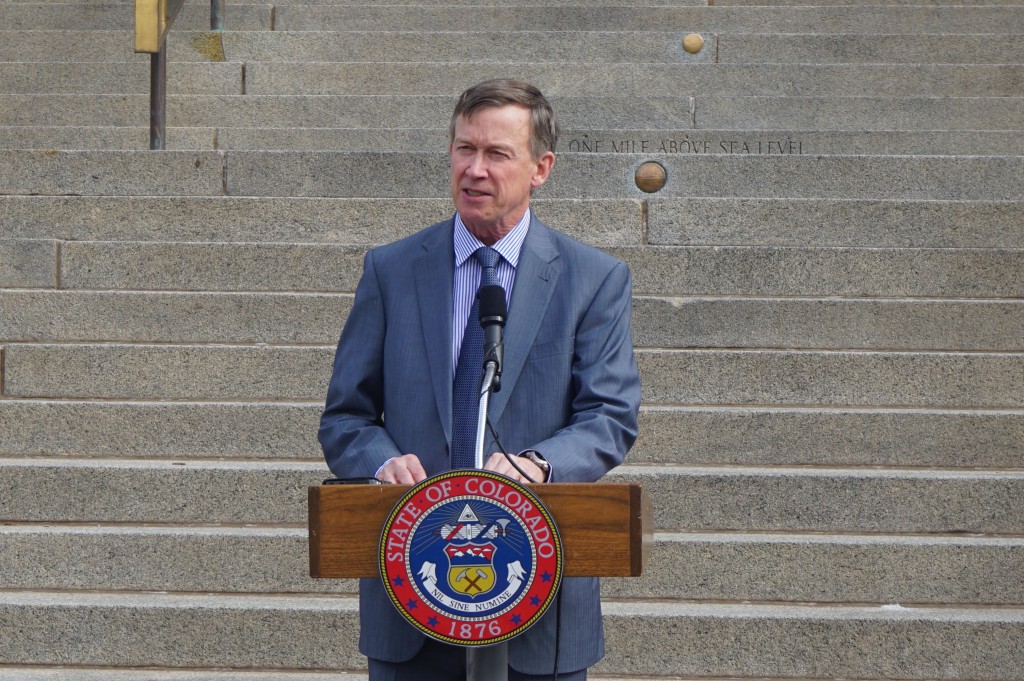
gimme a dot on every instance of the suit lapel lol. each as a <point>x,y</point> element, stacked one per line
<point>434,272</point>
<point>536,277</point>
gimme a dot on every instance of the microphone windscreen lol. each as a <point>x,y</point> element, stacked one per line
<point>492,305</point>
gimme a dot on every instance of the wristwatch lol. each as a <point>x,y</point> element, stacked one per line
<point>541,463</point>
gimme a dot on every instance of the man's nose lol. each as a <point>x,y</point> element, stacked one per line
<point>477,166</point>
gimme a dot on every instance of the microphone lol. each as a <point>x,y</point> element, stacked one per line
<point>492,318</point>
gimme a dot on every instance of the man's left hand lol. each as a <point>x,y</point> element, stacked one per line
<point>499,464</point>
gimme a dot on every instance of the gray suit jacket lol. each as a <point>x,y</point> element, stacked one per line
<point>570,389</point>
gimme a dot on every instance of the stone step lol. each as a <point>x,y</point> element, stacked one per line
<point>822,19</point>
<point>679,141</point>
<point>109,16</point>
<point>657,270</point>
<point>581,176</point>
<point>671,377</point>
<point>682,141</point>
<point>65,46</point>
<point>187,78</point>
<point>668,435</point>
<point>65,673</point>
<point>640,80</point>
<point>684,498</point>
<point>860,48</point>
<point>372,112</point>
<point>690,322</point>
<point>613,175</point>
<point>638,47</point>
<point>580,114</point>
<point>696,221</point>
<point>319,633</point>
<point>716,567</point>
<point>127,138</point>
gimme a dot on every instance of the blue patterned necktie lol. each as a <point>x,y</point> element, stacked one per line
<point>466,392</point>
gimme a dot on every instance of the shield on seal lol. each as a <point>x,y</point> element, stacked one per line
<point>471,568</point>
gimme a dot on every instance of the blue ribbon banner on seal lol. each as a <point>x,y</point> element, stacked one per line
<point>471,557</point>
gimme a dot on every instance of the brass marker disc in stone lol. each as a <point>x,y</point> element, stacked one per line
<point>650,177</point>
<point>693,43</point>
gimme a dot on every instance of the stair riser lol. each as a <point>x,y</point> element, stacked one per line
<point>707,500</point>
<point>39,316</point>
<point>707,567</point>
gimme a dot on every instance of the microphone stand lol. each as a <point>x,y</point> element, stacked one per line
<point>486,663</point>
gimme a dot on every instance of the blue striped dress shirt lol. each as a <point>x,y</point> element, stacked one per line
<point>467,273</point>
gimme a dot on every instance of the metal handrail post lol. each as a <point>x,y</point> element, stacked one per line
<point>158,98</point>
<point>216,15</point>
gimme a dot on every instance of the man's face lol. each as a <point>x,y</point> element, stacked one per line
<point>493,171</point>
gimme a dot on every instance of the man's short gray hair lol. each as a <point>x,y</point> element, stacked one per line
<point>505,92</point>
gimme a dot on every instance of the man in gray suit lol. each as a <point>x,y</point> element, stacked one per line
<point>567,408</point>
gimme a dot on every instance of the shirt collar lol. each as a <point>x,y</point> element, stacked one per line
<point>508,246</point>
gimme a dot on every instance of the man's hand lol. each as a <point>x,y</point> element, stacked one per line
<point>403,470</point>
<point>499,464</point>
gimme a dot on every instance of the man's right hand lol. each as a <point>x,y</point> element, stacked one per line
<point>403,470</point>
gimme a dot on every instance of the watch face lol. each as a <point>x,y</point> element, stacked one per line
<point>471,557</point>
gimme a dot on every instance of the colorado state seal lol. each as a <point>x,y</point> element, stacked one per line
<point>470,557</point>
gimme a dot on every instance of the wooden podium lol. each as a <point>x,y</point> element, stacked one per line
<point>604,530</point>
<point>604,527</point>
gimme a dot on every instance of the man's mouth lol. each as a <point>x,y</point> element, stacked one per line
<point>473,192</point>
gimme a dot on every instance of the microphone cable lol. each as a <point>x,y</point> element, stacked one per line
<point>558,597</point>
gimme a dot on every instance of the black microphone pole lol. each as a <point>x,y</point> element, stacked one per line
<point>489,663</point>
<point>492,318</point>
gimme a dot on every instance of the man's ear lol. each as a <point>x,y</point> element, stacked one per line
<point>544,165</point>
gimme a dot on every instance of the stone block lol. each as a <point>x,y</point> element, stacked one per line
<point>788,641</point>
<point>169,173</point>
<point>192,372</point>
<point>98,137</point>
<point>19,673</point>
<point>830,222</point>
<point>912,438</point>
<point>870,113</point>
<point>948,48</point>
<point>211,267</point>
<point>308,220</point>
<point>828,324</point>
<point>201,492</point>
<point>173,317</point>
<point>694,142</point>
<point>182,559</point>
<point>27,264</point>
<point>780,499</point>
<point>159,430</point>
<point>181,630</point>
<point>839,379</point>
<point>106,46</point>
<point>109,16</point>
<point>191,78</point>
<point>827,569</point>
<point>888,273</point>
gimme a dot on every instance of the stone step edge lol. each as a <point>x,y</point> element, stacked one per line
<point>638,470</point>
<point>739,537</point>
<point>1009,615</point>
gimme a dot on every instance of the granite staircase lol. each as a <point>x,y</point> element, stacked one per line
<point>829,320</point>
